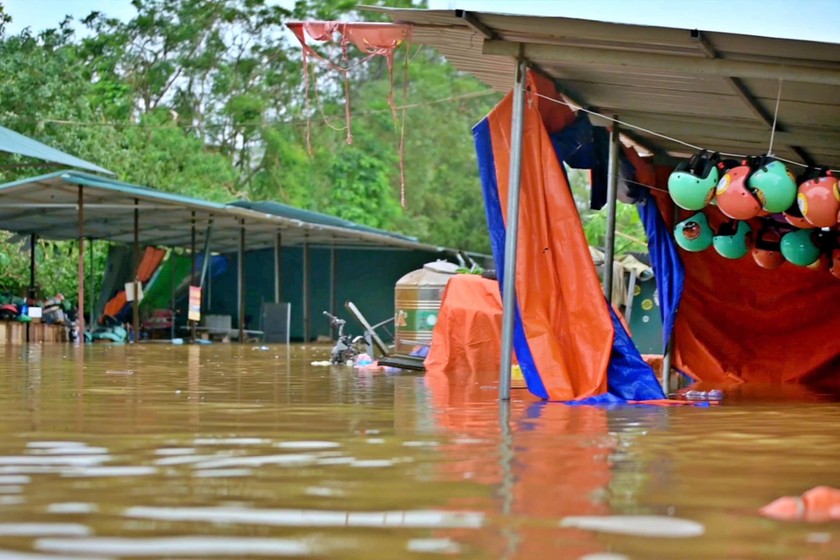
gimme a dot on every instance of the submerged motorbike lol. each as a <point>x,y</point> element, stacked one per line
<point>345,348</point>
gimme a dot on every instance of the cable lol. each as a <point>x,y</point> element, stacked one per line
<point>291,121</point>
<point>775,116</point>
<point>671,138</point>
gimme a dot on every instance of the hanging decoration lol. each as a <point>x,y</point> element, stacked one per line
<point>372,39</point>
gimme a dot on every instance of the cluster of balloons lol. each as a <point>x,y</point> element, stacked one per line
<point>774,215</point>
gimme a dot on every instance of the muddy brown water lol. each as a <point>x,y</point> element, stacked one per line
<point>235,451</point>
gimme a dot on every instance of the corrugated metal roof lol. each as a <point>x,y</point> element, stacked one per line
<point>709,89</point>
<point>286,211</point>
<point>48,206</point>
<point>16,143</point>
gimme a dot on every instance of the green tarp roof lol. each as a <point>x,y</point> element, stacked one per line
<point>15,143</point>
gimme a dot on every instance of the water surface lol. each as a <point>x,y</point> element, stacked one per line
<point>234,451</point>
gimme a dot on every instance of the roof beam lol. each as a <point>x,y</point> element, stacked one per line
<point>474,23</point>
<point>668,62</point>
<point>719,129</point>
<point>747,96</point>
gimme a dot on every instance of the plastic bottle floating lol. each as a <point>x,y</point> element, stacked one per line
<point>712,395</point>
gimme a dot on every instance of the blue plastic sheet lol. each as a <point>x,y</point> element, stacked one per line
<point>666,263</point>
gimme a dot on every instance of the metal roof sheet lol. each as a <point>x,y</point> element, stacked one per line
<point>676,86</point>
<point>48,205</point>
<point>286,211</point>
<point>16,143</point>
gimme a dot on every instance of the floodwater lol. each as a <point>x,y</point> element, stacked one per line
<point>238,451</point>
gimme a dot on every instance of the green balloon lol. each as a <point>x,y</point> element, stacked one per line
<point>774,186</point>
<point>798,247</point>
<point>691,192</point>
<point>694,234</point>
<point>734,245</point>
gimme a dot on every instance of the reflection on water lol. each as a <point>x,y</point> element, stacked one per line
<point>229,451</point>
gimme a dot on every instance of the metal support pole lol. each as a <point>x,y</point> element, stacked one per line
<point>205,263</point>
<point>332,285</point>
<point>205,267</point>
<point>91,319</point>
<point>305,272</point>
<point>80,320</point>
<point>240,281</point>
<point>136,315</point>
<point>612,191</point>
<point>278,268</point>
<point>666,366</point>
<point>192,273</point>
<point>32,243</point>
<point>172,293</point>
<point>31,292</point>
<point>512,236</point>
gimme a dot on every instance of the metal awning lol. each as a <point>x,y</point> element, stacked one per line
<point>48,205</point>
<point>675,86</point>
<point>16,143</point>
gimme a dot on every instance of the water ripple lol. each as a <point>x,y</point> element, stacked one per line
<point>312,518</point>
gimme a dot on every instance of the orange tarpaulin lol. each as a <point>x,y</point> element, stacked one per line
<point>152,257</point>
<point>467,340</point>
<point>737,320</point>
<point>149,263</point>
<point>566,320</point>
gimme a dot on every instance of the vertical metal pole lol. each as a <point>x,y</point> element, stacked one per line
<point>91,318</point>
<point>31,292</point>
<point>666,366</point>
<point>32,242</point>
<point>240,281</point>
<point>509,282</point>
<point>205,263</point>
<point>305,280</point>
<point>172,292</point>
<point>278,268</point>
<point>332,285</point>
<point>612,191</point>
<point>136,317</point>
<point>80,321</point>
<point>205,267</point>
<point>192,273</point>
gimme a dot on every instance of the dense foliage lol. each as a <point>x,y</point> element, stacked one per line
<point>205,98</point>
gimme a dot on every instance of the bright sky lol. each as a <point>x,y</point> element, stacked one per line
<point>810,20</point>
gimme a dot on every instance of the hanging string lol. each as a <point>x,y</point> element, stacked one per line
<point>402,124</point>
<point>775,116</point>
<point>657,134</point>
<point>619,121</point>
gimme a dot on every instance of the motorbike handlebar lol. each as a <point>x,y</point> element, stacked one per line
<point>334,319</point>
